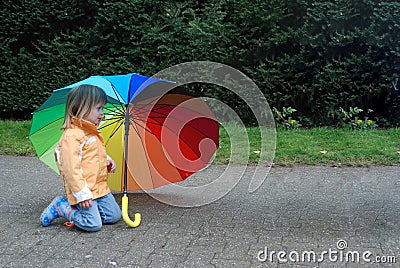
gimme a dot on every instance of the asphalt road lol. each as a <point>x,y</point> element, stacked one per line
<point>299,217</point>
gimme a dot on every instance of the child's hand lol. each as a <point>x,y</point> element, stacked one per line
<point>111,166</point>
<point>85,204</point>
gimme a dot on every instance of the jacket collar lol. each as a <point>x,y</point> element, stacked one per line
<point>82,123</point>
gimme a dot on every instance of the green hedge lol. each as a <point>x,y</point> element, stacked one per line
<point>314,56</point>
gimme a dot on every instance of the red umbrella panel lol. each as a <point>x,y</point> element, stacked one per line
<point>170,138</point>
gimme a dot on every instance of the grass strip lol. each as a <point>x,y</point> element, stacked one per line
<point>318,146</point>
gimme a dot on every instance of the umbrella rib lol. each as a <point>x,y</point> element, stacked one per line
<point>150,101</point>
<point>119,110</point>
<point>160,123</point>
<point>115,92</point>
<point>116,107</point>
<point>48,124</point>
<point>118,115</point>
<point>143,146</point>
<point>114,131</point>
<point>204,134</point>
<point>152,110</point>
<point>138,119</point>
<point>117,118</point>
<point>107,124</point>
<point>159,107</point>
<point>133,122</point>
<point>161,116</point>
<point>141,107</point>
<point>182,139</point>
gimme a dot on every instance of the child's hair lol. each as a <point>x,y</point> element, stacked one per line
<point>81,100</point>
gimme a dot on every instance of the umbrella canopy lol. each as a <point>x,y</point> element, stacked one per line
<point>170,135</point>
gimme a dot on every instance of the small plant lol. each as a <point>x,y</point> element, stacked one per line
<point>351,118</point>
<point>284,118</point>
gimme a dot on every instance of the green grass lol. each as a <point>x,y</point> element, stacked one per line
<point>338,147</point>
<point>316,146</point>
<point>323,146</point>
<point>14,138</point>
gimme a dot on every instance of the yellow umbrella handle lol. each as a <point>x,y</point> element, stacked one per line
<point>125,215</point>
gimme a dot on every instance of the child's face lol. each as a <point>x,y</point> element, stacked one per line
<point>96,114</point>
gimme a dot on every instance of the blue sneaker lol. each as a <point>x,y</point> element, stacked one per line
<point>55,210</point>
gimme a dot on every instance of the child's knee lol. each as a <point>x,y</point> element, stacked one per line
<point>116,216</point>
<point>92,228</point>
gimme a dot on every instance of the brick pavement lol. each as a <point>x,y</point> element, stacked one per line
<point>298,210</point>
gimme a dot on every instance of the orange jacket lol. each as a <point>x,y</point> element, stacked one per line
<point>82,161</point>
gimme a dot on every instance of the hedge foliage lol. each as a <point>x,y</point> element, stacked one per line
<point>314,56</point>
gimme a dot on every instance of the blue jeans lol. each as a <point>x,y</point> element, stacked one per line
<point>104,210</point>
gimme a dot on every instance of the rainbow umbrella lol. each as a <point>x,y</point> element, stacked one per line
<point>154,131</point>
